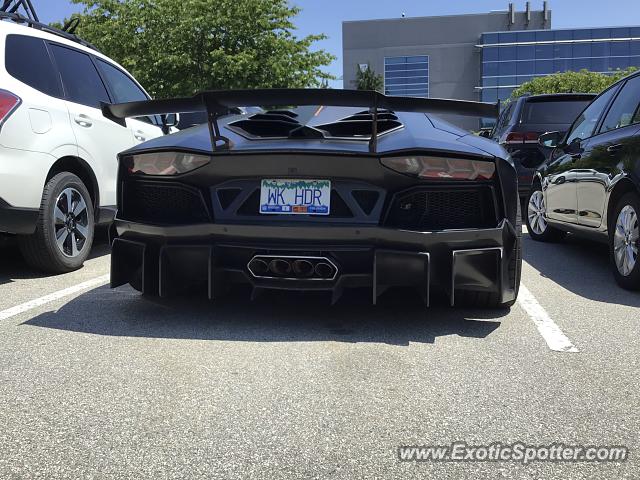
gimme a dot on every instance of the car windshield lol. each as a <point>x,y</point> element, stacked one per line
<point>552,112</point>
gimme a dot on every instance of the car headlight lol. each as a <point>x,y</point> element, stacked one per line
<point>441,168</point>
<point>164,163</point>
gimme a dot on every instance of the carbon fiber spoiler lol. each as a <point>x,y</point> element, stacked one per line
<point>218,102</point>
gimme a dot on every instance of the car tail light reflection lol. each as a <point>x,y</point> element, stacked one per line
<point>522,137</point>
<point>8,103</point>
<point>440,168</point>
<point>164,163</point>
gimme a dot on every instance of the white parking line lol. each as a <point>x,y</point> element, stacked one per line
<point>555,338</point>
<point>549,330</point>
<point>23,307</point>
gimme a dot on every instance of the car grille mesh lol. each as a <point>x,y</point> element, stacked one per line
<point>169,204</point>
<point>442,209</point>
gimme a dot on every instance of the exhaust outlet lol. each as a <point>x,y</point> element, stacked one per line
<point>324,270</point>
<point>258,267</point>
<point>280,267</point>
<point>302,268</point>
<point>292,267</point>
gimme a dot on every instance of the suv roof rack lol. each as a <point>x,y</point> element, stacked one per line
<point>10,10</point>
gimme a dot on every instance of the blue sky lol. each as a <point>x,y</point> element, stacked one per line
<point>326,16</point>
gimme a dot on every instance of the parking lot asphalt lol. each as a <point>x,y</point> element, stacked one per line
<point>101,383</point>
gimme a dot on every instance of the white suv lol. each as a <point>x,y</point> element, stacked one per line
<point>57,151</point>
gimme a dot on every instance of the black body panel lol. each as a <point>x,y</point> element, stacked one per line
<point>203,229</point>
<point>17,220</point>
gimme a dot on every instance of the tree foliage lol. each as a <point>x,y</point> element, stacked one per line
<point>583,81</point>
<point>179,47</point>
<point>367,79</point>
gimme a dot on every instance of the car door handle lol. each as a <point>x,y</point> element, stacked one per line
<point>614,148</point>
<point>139,134</point>
<point>83,120</point>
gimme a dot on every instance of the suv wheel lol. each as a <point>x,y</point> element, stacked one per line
<point>64,232</point>
<point>536,218</point>
<point>624,242</point>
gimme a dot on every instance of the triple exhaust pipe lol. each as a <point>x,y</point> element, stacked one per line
<point>293,268</point>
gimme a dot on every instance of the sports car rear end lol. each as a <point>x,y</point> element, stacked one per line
<point>327,198</point>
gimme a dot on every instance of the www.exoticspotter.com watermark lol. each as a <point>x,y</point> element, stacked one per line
<point>514,452</point>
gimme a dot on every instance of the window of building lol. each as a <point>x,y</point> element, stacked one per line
<point>564,35</point>
<point>544,67</point>
<point>525,68</point>
<point>526,52</point>
<point>598,50</point>
<point>544,52</point>
<point>490,54</point>
<point>618,32</point>
<point>544,36</point>
<point>407,76</point>
<point>620,49</point>
<point>507,53</point>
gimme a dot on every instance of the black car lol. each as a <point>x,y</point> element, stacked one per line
<point>325,198</point>
<point>591,184</point>
<point>525,119</point>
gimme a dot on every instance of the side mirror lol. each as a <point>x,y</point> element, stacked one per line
<point>169,120</point>
<point>485,133</point>
<point>550,139</point>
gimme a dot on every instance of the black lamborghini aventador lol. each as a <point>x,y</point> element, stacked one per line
<point>346,189</point>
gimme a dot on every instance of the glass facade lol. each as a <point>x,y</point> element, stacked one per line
<point>407,76</point>
<point>512,58</point>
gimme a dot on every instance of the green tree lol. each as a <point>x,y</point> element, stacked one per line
<point>367,79</point>
<point>583,81</point>
<point>179,47</point>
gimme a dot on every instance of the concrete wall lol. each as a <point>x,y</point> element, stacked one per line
<point>454,61</point>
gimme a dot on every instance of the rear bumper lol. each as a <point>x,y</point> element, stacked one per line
<point>17,220</point>
<point>165,260</point>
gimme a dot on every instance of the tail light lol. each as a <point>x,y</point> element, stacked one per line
<point>8,103</point>
<point>164,163</point>
<point>522,137</point>
<point>440,168</point>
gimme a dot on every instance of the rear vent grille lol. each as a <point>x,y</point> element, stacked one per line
<point>273,124</point>
<point>284,124</point>
<point>271,128</point>
<point>360,125</point>
<point>251,206</point>
<point>339,208</point>
<point>366,199</point>
<point>442,209</point>
<point>226,196</point>
<point>160,203</point>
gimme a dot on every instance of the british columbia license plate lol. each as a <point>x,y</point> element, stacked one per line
<point>295,197</point>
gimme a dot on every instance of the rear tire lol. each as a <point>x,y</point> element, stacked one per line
<point>535,217</point>
<point>490,299</point>
<point>624,242</point>
<point>62,240</point>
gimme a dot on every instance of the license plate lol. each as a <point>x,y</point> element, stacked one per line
<point>295,197</point>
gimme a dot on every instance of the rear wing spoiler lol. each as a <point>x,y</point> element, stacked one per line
<point>219,102</point>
